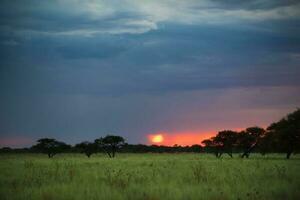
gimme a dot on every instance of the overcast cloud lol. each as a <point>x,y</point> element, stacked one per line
<point>78,70</point>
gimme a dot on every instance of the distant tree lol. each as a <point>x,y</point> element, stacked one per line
<point>224,142</point>
<point>6,150</point>
<point>88,148</point>
<point>209,146</point>
<point>135,148</point>
<point>194,148</point>
<point>249,139</point>
<point>286,133</point>
<point>110,144</point>
<point>50,146</point>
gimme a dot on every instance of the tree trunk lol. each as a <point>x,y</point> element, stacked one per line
<point>114,149</point>
<point>245,154</point>
<point>248,151</point>
<point>220,154</point>
<point>107,151</point>
<point>216,154</point>
<point>288,155</point>
<point>230,154</point>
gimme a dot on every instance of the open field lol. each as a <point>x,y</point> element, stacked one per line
<point>148,176</point>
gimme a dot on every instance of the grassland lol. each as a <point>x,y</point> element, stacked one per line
<point>148,176</point>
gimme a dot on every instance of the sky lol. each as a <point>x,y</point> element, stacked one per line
<point>79,70</point>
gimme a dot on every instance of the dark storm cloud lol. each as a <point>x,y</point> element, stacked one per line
<point>72,69</point>
<point>255,4</point>
<point>50,18</point>
<point>88,48</point>
<point>159,61</point>
<point>93,17</point>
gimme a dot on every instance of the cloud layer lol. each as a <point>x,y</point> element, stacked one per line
<point>71,68</point>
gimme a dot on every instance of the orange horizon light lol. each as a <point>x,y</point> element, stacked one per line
<point>178,138</point>
<point>181,138</point>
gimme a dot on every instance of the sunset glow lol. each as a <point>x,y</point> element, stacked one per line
<point>15,141</point>
<point>179,138</point>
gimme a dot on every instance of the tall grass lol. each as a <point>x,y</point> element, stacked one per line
<point>148,176</point>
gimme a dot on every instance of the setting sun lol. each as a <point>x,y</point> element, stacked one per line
<point>157,138</point>
<point>178,138</point>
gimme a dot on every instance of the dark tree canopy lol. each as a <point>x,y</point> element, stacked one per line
<point>224,142</point>
<point>209,146</point>
<point>88,148</point>
<point>286,133</point>
<point>267,144</point>
<point>228,141</point>
<point>50,146</point>
<point>249,139</point>
<point>281,136</point>
<point>110,144</point>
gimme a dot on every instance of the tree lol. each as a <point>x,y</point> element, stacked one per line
<point>249,139</point>
<point>267,143</point>
<point>210,146</point>
<point>224,142</point>
<point>194,148</point>
<point>88,148</point>
<point>286,133</point>
<point>110,144</point>
<point>50,146</point>
<point>6,150</point>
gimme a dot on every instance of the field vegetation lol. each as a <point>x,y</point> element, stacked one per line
<point>148,176</point>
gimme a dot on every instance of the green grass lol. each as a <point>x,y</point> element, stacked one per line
<point>148,176</point>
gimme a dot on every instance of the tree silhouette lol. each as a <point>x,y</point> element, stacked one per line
<point>286,133</point>
<point>267,143</point>
<point>6,150</point>
<point>88,148</point>
<point>110,144</point>
<point>210,146</point>
<point>50,146</point>
<point>194,148</point>
<point>249,139</point>
<point>224,142</point>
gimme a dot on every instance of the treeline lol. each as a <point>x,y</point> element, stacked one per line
<point>280,137</point>
<point>109,144</point>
